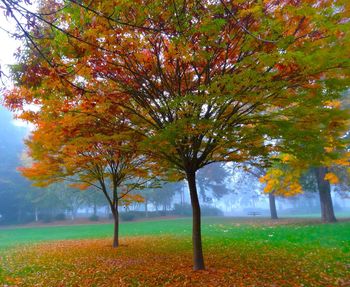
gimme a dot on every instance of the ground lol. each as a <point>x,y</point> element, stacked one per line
<point>238,252</point>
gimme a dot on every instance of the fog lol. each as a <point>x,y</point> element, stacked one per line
<point>224,190</point>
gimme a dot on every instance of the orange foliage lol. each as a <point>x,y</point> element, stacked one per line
<point>331,177</point>
<point>164,261</point>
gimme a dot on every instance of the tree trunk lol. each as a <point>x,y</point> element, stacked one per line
<point>273,210</point>
<point>182,196</point>
<point>73,213</point>
<point>36,214</point>
<point>116,227</point>
<point>324,189</point>
<point>95,208</point>
<point>146,207</point>
<point>19,215</point>
<point>198,261</point>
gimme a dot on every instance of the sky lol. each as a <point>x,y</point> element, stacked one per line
<point>8,46</point>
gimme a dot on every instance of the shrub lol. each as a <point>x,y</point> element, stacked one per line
<point>208,210</point>
<point>46,217</point>
<point>182,209</point>
<point>186,210</point>
<point>127,216</point>
<point>60,216</point>
<point>94,218</point>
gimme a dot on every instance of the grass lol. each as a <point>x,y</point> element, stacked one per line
<point>257,230</point>
<point>339,215</point>
<point>158,253</point>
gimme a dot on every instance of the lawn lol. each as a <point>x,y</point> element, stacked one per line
<point>238,252</point>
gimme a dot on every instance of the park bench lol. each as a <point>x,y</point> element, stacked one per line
<point>254,213</point>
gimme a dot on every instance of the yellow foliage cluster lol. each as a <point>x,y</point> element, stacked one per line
<point>284,179</point>
<point>331,177</point>
<point>333,104</point>
<point>281,182</point>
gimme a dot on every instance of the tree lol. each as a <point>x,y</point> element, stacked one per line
<point>164,195</point>
<point>15,206</point>
<point>212,179</point>
<point>95,199</point>
<point>76,147</point>
<point>286,178</point>
<point>202,82</point>
<point>324,188</point>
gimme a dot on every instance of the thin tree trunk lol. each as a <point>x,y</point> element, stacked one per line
<point>273,210</point>
<point>198,261</point>
<point>146,207</point>
<point>36,214</point>
<point>95,208</point>
<point>19,215</point>
<point>116,227</point>
<point>182,196</point>
<point>324,189</point>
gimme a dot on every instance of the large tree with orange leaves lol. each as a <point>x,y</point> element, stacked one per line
<point>79,148</point>
<point>201,81</point>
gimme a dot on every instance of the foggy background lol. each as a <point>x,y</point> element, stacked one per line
<point>224,190</point>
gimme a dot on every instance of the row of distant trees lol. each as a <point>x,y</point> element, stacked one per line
<point>20,202</point>
<point>60,201</point>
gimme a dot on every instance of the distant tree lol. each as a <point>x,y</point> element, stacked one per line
<point>212,180</point>
<point>287,178</point>
<point>95,199</point>
<point>47,202</point>
<point>343,188</point>
<point>164,195</point>
<point>72,198</point>
<point>15,207</point>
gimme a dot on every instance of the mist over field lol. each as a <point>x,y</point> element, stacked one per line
<point>225,190</point>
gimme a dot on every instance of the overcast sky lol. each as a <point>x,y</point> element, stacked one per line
<point>8,46</point>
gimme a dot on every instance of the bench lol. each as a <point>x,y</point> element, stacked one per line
<point>254,213</point>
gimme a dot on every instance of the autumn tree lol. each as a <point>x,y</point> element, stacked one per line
<point>202,81</point>
<point>75,147</point>
<point>286,178</point>
<point>325,154</point>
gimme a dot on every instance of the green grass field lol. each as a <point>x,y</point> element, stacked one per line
<point>256,246</point>
<point>298,232</point>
